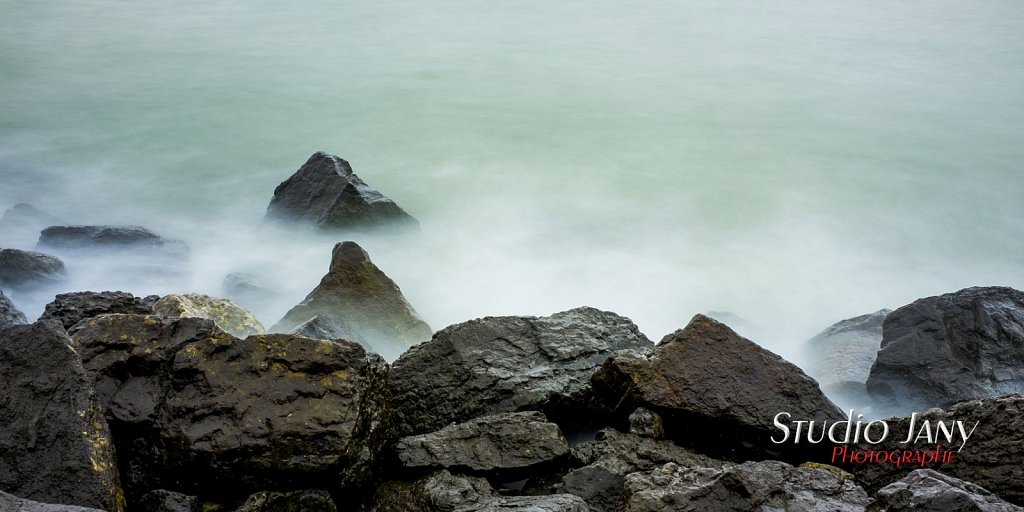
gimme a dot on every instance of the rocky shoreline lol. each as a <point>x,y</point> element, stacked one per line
<point>187,403</point>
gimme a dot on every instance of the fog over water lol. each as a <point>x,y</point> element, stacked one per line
<point>791,163</point>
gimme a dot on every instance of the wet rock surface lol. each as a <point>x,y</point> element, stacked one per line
<point>357,294</point>
<point>71,239</point>
<point>71,308</point>
<point>506,364</point>
<point>225,314</point>
<point>55,446</point>
<point>711,384</point>
<point>942,350</point>
<point>26,270</point>
<point>9,315</point>
<point>930,491</point>
<point>11,503</point>
<point>326,194</point>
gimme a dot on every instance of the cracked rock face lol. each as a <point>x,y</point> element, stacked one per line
<point>506,364</point>
<point>930,491</point>
<point>942,350</point>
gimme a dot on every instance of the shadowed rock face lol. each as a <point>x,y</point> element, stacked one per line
<point>712,385</point>
<point>71,308</point>
<point>326,194</point>
<point>15,504</point>
<point>28,269</point>
<point>941,350</point>
<point>55,446</point>
<point>195,409</point>
<point>358,296</point>
<point>505,364</point>
<point>925,490</point>
<point>9,315</point>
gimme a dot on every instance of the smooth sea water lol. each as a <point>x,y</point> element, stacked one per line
<point>791,163</point>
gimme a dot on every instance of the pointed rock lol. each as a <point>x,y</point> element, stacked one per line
<point>326,194</point>
<point>226,314</point>
<point>9,315</point>
<point>359,296</point>
<point>55,446</point>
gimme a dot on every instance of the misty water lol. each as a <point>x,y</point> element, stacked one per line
<point>790,163</point>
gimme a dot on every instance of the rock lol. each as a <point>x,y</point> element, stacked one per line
<point>930,491</point>
<point>355,293</point>
<point>21,224</point>
<point>74,239</point>
<point>28,269</point>
<point>71,308</point>
<point>752,486</point>
<point>647,423</point>
<point>9,315</point>
<point>507,443</point>
<point>506,364</point>
<point>11,503</point>
<point>550,503</point>
<point>438,492</point>
<point>991,457</point>
<point>716,388</point>
<point>941,350</point>
<point>226,314</point>
<point>194,408</point>
<point>326,194</point>
<point>840,358</point>
<point>251,291</point>
<point>322,327</point>
<point>54,444</point>
<point>168,501</point>
<point>295,501</point>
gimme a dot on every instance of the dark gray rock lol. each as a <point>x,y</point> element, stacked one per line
<point>28,270</point>
<point>840,358</point>
<point>322,327</point>
<point>505,364</point>
<point>74,239</point>
<point>550,503</point>
<point>10,503</point>
<point>991,457</point>
<point>54,443</point>
<point>716,388</point>
<point>930,491</point>
<point>942,350</point>
<point>194,408</point>
<point>294,501</point>
<point>326,194</point>
<point>765,486</point>
<point>21,224</point>
<point>504,443</point>
<point>167,501</point>
<point>9,315</point>
<point>438,492</point>
<point>71,308</point>
<point>359,296</point>
<point>647,423</point>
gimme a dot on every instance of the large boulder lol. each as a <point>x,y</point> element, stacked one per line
<point>942,350</point>
<point>21,224</point>
<point>9,315</point>
<point>194,408</point>
<point>226,314</point>
<point>925,490</point>
<point>764,486</point>
<point>505,364</point>
<point>840,357</point>
<point>11,503</point>
<point>991,457</point>
<point>505,443</point>
<point>357,294</point>
<point>77,239</point>
<point>324,193</point>
<point>716,388</point>
<point>71,308</point>
<point>54,443</point>
<point>29,269</point>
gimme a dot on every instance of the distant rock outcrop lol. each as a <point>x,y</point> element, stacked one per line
<point>324,193</point>
<point>840,358</point>
<point>28,269</point>
<point>709,383</point>
<point>357,297</point>
<point>9,315</point>
<point>21,224</point>
<point>226,314</point>
<point>71,308</point>
<point>942,350</point>
<point>72,239</point>
<point>505,364</point>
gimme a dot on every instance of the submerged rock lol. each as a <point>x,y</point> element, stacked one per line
<point>195,408</point>
<point>228,316</point>
<point>925,490</point>
<point>28,269</point>
<point>71,308</point>
<point>359,296</point>
<point>326,194</point>
<point>840,357</point>
<point>765,486</point>
<point>90,238</point>
<point>712,386</point>
<point>54,443</point>
<point>21,224</point>
<point>502,443</point>
<point>504,364</point>
<point>941,350</point>
<point>9,315</point>
<point>11,503</point>
<point>293,501</point>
